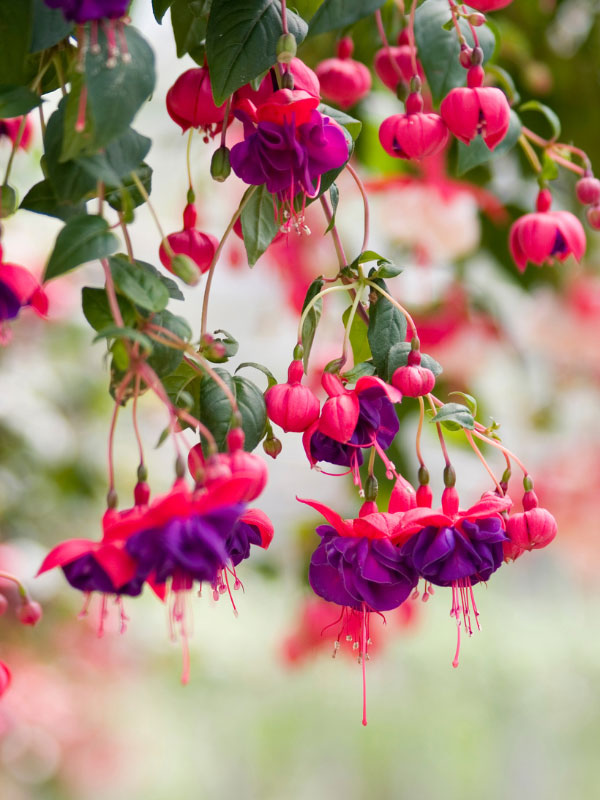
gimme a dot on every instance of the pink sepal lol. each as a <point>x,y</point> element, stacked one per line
<point>339,416</point>
<point>65,552</point>
<point>370,381</point>
<point>380,525</point>
<point>116,562</point>
<point>342,526</point>
<point>287,105</point>
<point>403,497</point>
<point>259,520</point>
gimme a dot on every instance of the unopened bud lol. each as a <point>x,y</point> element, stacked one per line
<point>528,483</point>
<point>286,48</point>
<point>593,217</point>
<point>272,446</point>
<point>477,56</point>
<point>29,612</point>
<point>235,439</point>
<point>466,53</point>
<point>402,90</point>
<point>220,165</point>
<point>8,201</point>
<point>476,19</point>
<point>415,84</point>
<point>587,190</point>
<point>186,269</point>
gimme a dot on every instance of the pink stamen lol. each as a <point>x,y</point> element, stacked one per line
<point>94,46</point>
<point>235,611</point>
<point>363,647</point>
<point>125,54</point>
<point>111,43</point>
<point>103,615</point>
<point>80,123</point>
<point>87,599</point>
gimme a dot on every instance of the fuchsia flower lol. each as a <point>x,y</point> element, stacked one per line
<point>476,110</point>
<point>351,420</point>
<point>288,145</point>
<point>343,80</point>
<point>291,405</point>
<point>534,529</point>
<point>455,548</point>
<point>546,235</point>
<point>413,380</point>
<point>190,103</point>
<point>81,11</point>
<point>401,56</point>
<point>18,288</point>
<point>191,242</point>
<point>10,128</point>
<point>489,5</point>
<point>414,134</point>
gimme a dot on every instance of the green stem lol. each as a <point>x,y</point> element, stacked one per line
<point>142,190</point>
<point>349,327</point>
<point>400,308</point>
<point>317,297</point>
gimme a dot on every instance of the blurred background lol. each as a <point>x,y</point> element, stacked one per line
<point>268,713</point>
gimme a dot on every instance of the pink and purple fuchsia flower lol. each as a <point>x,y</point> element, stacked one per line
<point>81,11</point>
<point>288,145</point>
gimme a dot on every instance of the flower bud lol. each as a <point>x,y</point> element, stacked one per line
<point>413,381</point>
<point>196,246</point>
<point>343,80</point>
<point>286,48</point>
<point>530,530</point>
<point>587,190</point>
<point>8,201</point>
<point>29,612</point>
<point>477,58</point>
<point>476,19</point>
<point>292,406</point>
<point>593,217</point>
<point>196,463</point>
<point>272,446</point>
<point>220,165</point>
<point>183,266</point>
<point>465,55</point>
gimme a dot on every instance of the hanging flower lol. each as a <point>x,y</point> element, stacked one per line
<point>81,11</point>
<point>288,145</point>
<point>533,529</point>
<point>190,103</point>
<point>546,235</point>
<point>10,128</point>
<point>343,80</point>
<point>291,405</point>
<point>414,134</point>
<point>304,77</point>
<point>351,420</point>
<point>394,64</point>
<point>476,109</point>
<point>18,289</point>
<point>198,246</point>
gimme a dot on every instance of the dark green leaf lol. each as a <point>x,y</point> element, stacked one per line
<point>17,100</point>
<point>172,288</point>
<point>387,270</point>
<point>128,196</point>
<point>160,8</point>
<point>358,337</point>
<point>141,285</point>
<point>252,408</point>
<point>97,311</point>
<point>550,116</point>
<point>16,19</point>
<point>84,238</point>
<point>182,384</point>
<point>334,14</point>
<point>216,413</point>
<point>359,371</point>
<point>49,27</point>
<point>478,152</point>
<point>439,49</point>
<point>366,256</point>
<point>259,225</point>
<point>272,380</point>
<point>454,416</point>
<point>241,39</point>
<point>164,359</point>
<point>71,183</point>
<point>115,93</point>
<point>469,400</point>
<point>549,169</point>
<point>311,322</point>
<point>116,332</point>
<point>387,327</point>
<point>352,125</point>
<point>504,78</point>
<point>334,196</point>
<point>41,199</point>
<point>189,19</point>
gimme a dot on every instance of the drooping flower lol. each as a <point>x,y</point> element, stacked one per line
<point>292,405</point>
<point>81,11</point>
<point>358,567</point>
<point>10,128</point>
<point>190,103</point>
<point>546,235</point>
<point>414,134</point>
<point>288,145</point>
<point>456,548</point>
<point>304,77</point>
<point>413,380</point>
<point>198,246</point>
<point>351,420</point>
<point>343,80</point>
<point>18,289</point>
<point>395,64</point>
<point>532,529</point>
<point>475,109</point>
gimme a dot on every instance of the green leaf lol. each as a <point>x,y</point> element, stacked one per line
<point>128,196</point>
<point>386,270</point>
<point>172,288</point>
<point>398,357</point>
<point>41,199</point>
<point>164,359</point>
<point>550,116</point>
<point>70,182</point>
<point>352,125</point>
<point>49,27</point>
<point>16,19</point>
<point>311,322</point>
<point>189,19</point>
<point>96,309</point>
<point>549,169</point>
<point>439,49</point>
<point>272,380</point>
<point>359,371</point>
<point>216,414</point>
<point>334,196</point>
<point>17,100</point>
<point>454,416</point>
<point>334,14</point>
<point>160,8</point>
<point>84,238</point>
<point>358,337</point>
<point>477,153</point>
<point>241,39</point>
<point>116,332</point>
<point>141,285</point>
<point>366,256</point>
<point>259,225</point>
<point>387,327</point>
<point>470,401</point>
<point>115,93</point>
<point>253,410</point>
<point>505,79</point>
<point>183,384</point>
